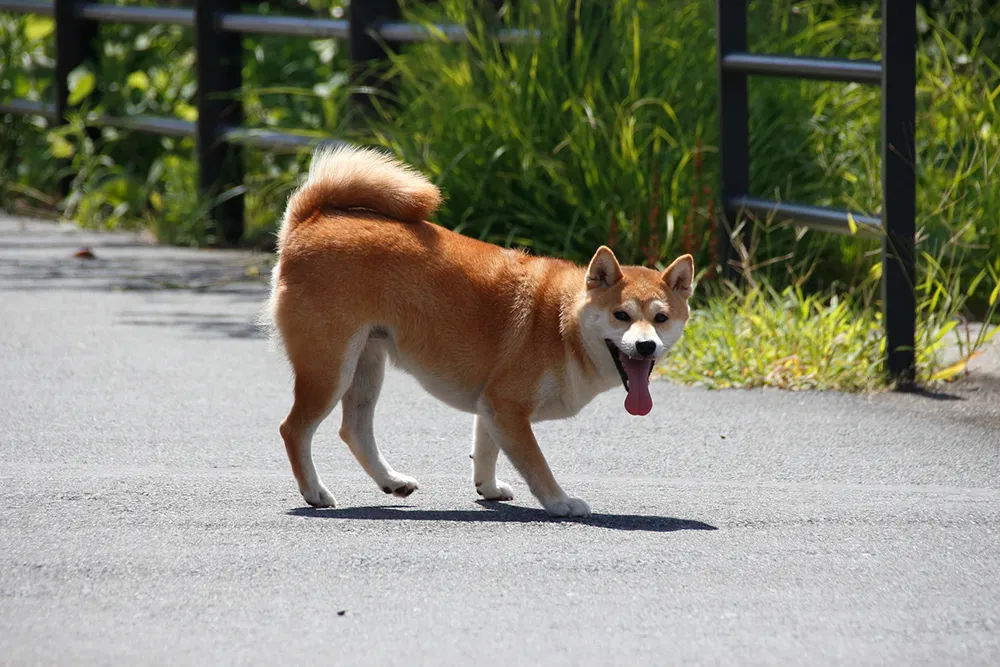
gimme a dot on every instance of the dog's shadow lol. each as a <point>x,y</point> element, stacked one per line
<point>503,513</point>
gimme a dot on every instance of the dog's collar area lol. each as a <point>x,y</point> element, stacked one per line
<point>616,357</point>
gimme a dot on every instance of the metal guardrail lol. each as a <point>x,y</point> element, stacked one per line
<point>815,217</point>
<point>824,69</point>
<point>29,108</point>
<point>896,75</point>
<point>284,25</point>
<point>271,140</point>
<point>28,7</point>
<point>219,28</point>
<point>171,127</point>
<point>148,15</point>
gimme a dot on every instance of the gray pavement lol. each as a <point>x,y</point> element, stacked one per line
<point>148,515</point>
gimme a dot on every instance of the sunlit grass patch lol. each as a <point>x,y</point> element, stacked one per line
<point>759,336</point>
<point>787,339</point>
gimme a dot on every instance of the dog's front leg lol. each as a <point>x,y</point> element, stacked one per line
<point>484,465</point>
<point>509,425</point>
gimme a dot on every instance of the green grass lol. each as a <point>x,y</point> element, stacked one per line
<point>617,142</point>
<point>606,133</point>
<point>789,339</point>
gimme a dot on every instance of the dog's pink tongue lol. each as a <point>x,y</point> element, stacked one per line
<point>638,401</point>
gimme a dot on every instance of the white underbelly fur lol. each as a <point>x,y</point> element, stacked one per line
<point>439,388</point>
<point>549,401</point>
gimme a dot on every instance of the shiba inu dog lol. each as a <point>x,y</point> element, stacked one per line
<point>362,277</point>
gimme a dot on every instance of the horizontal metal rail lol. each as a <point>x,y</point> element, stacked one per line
<point>339,29</point>
<point>175,127</point>
<point>172,127</point>
<point>93,11</point>
<point>28,108</point>
<point>824,69</point>
<point>271,139</point>
<point>283,25</point>
<point>289,26</point>
<point>814,217</point>
<point>28,7</point>
<point>411,32</point>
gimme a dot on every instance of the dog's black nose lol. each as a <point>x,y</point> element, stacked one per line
<point>645,347</point>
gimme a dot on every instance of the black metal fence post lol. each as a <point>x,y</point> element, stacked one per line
<point>899,47</point>
<point>75,38</point>
<point>734,130</point>
<point>365,50</point>
<point>219,71</point>
<point>896,74</point>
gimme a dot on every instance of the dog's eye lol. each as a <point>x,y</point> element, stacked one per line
<point>660,318</point>
<point>622,316</point>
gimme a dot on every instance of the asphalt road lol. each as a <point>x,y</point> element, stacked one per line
<point>148,515</point>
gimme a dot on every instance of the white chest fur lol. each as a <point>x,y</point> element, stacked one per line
<point>558,398</point>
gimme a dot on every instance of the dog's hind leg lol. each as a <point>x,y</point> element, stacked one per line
<point>484,465</point>
<point>319,384</point>
<point>358,427</point>
<point>315,398</point>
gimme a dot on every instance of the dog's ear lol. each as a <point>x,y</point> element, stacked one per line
<point>679,276</point>
<point>603,270</point>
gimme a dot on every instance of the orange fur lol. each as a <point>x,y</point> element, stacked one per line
<point>361,276</point>
<point>347,178</point>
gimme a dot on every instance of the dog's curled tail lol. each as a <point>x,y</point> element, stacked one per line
<point>347,177</point>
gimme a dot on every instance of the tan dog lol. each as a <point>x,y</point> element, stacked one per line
<point>508,337</point>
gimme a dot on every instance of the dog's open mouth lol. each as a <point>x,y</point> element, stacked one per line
<point>635,378</point>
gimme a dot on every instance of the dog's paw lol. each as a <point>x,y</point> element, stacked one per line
<point>400,485</point>
<point>496,490</point>
<point>319,497</point>
<point>567,506</point>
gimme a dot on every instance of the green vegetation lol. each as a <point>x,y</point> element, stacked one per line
<point>601,134</point>
<point>760,337</point>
